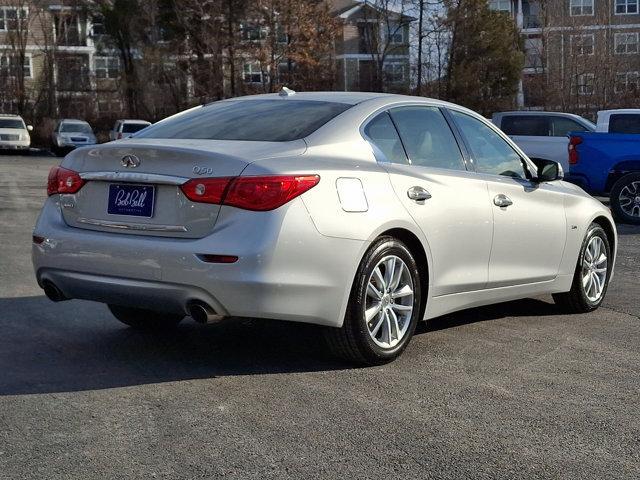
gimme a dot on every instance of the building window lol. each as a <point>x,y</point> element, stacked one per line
<point>581,7</point>
<point>253,73</point>
<point>585,84</point>
<point>582,44</point>
<point>10,65</point>
<point>626,6</point>
<point>107,67</point>
<point>9,17</point>
<point>626,43</point>
<point>627,82</point>
<point>396,33</point>
<point>500,5</point>
<point>252,32</point>
<point>394,72</point>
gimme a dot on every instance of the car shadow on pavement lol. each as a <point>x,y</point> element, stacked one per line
<point>77,345</point>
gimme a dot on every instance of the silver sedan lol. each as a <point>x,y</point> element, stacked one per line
<point>362,212</point>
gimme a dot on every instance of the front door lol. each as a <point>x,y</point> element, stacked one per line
<point>529,231</point>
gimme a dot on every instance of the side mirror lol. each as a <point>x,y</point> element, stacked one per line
<point>548,170</point>
<point>30,128</point>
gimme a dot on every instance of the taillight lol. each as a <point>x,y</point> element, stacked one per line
<point>63,180</point>
<point>249,193</point>
<point>573,151</point>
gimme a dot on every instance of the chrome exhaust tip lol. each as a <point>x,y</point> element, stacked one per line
<point>203,313</point>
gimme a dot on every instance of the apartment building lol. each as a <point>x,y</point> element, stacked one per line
<point>581,55</point>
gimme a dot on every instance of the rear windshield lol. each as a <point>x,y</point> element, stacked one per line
<point>251,120</point>
<point>624,123</point>
<point>11,123</point>
<point>133,127</point>
<point>75,128</point>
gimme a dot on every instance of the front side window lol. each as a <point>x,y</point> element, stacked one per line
<point>626,43</point>
<point>107,67</point>
<point>560,126</point>
<point>427,137</point>
<point>624,123</point>
<point>526,125</point>
<point>249,120</point>
<point>581,7</point>
<point>491,153</point>
<point>626,6</point>
<point>383,134</point>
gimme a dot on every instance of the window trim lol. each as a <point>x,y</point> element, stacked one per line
<point>4,8</point>
<point>28,59</point>
<point>581,6</point>
<point>261,72</point>
<point>626,82</point>
<point>106,68</point>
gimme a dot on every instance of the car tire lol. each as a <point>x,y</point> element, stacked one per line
<point>387,333</point>
<point>581,298</point>
<point>623,197</point>
<point>142,319</point>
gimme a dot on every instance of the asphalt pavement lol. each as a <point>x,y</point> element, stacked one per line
<point>516,390</point>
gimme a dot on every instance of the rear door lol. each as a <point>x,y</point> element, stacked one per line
<point>450,204</point>
<point>529,225</point>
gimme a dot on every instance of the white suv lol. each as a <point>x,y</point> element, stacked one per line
<point>126,128</point>
<point>14,134</point>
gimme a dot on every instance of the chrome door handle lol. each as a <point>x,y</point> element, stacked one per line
<point>418,194</point>
<point>501,200</point>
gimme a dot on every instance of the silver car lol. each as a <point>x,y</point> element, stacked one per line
<point>362,212</point>
<point>70,133</point>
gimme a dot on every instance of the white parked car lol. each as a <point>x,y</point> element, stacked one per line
<point>126,128</point>
<point>14,134</point>
<point>542,134</point>
<point>70,133</point>
<point>619,121</point>
<point>365,213</point>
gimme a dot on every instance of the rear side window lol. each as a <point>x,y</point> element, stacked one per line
<point>427,137</point>
<point>560,127</point>
<point>525,125</point>
<point>382,133</point>
<point>624,123</point>
<point>251,120</point>
<point>133,127</point>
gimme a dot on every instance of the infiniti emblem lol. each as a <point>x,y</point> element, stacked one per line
<point>130,161</point>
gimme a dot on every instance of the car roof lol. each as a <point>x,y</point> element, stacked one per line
<point>536,112</point>
<point>132,120</point>
<point>619,110</point>
<point>72,120</point>
<point>9,115</point>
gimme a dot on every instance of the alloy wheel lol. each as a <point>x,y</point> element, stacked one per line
<point>389,302</point>
<point>629,199</point>
<point>594,269</point>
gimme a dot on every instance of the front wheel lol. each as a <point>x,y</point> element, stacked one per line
<point>625,199</point>
<point>141,319</point>
<point>591,276</point>
<point>384,306</point>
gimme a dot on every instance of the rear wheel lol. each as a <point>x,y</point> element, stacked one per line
<point>591,277</point>
<point>384,306</point>
<point>142,319</point>
<point>625,199</point>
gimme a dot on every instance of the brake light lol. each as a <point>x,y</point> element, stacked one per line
<point>249,193</point>
<point>63,180</point>
<point>573,151</point>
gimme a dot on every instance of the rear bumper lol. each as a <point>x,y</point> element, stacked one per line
<point>286,269</point>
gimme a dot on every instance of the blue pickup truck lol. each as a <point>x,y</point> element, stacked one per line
<point>608,164</point>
